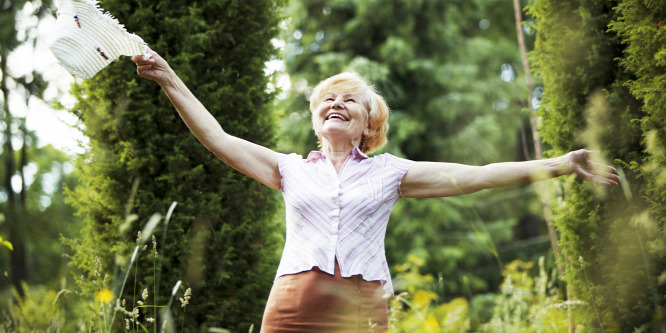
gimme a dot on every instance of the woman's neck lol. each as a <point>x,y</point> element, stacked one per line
<point>337,154</point>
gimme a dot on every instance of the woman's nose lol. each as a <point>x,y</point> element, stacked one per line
<point>337,104</point>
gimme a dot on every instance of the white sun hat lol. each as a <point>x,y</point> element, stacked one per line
<point>85,39</point>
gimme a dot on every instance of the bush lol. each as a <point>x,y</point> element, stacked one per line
<point>610,238</point>
<point>221,240</point>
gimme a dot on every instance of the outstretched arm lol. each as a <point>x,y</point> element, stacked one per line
<point>253,160</point>
<point>432,179</point>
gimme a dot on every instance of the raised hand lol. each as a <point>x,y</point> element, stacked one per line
<point>579,163</point>
<point>154,68</point>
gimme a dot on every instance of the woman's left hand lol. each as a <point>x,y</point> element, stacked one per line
<point>579,163</point>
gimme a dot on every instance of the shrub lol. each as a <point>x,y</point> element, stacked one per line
<point>608,237</point>
<point>221,239</point>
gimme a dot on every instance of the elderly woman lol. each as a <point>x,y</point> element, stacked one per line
<point>333,275</point>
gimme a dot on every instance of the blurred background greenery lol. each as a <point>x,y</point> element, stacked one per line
<point>451,72</point>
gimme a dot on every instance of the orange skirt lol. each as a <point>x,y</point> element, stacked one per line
<point>314,301</point>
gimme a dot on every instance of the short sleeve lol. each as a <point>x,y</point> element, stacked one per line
<point>285,161</point>
<point>400,166</point>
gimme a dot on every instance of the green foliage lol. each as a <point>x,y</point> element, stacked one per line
<point>417,308</point>
<point>41,310</point>
<point>528,304</point>
<point>525,303</point>
<point>221,238</point>
<point>610,242</point>
<point>33,175</point>
<point>641,26</point>
<point>439,69</point>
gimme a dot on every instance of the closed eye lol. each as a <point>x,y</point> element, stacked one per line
<point>351,100</point>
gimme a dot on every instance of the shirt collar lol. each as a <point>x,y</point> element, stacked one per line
<point>356,153</point>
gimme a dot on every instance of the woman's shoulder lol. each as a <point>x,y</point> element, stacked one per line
<point>392,161</point>
<point>285,159</point>
<point>289,156</point>
<point>389,157</point>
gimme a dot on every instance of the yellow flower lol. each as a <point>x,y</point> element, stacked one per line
<point>431,324</point>
<point>104,296</point>
<point>422,298</point>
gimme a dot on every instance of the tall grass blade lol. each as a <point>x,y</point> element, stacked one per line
<point>158,270</point>
<point>167,323</point>
<point>129,267</point>
<point>149,227</point>
<point>169,212</point>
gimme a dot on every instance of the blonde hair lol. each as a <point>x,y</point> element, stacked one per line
<point>372,101</point>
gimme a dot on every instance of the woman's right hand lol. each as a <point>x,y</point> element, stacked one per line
<point>154,68</point>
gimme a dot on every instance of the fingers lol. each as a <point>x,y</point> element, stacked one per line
<point>149,65</point>
<point>608,179</point>
<point>605,181</point>
<point>592,171</point>
<point>613,177</point>
<point>139,60</point>
<point>602,167</point>
<point>606,172</point>
<point>140,69</point>
<point>601,178</point>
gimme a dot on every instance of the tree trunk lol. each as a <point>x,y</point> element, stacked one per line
<point>13,212</point>
<point>542,191</point>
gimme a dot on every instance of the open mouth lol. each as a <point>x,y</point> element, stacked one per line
<point>337,116</point>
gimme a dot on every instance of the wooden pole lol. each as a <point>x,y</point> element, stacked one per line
<point>543,193</point>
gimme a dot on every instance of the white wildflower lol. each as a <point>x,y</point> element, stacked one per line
<point>185,300</point>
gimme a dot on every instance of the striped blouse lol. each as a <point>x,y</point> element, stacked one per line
<point>343,216</point>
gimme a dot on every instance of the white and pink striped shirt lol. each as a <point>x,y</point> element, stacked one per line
<point>341,215</point>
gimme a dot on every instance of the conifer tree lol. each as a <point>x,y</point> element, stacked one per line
<point>220,239</point>
<point>642,27</point>
<point>611,240</point>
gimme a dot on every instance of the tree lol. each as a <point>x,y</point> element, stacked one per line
<point>640,24</point>
<point>612,241</point>
<point>20,216</point>
<point>220,238</point>
<point>438,63</point>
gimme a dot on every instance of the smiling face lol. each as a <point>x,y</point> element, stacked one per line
<point>346,109</point>
<point>341,116</point>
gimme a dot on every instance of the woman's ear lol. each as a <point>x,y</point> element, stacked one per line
<point>366,132</point>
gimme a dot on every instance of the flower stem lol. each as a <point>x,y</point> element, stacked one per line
<point>182,321</point>
<point>155,295</point>
<point>134,323</point>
